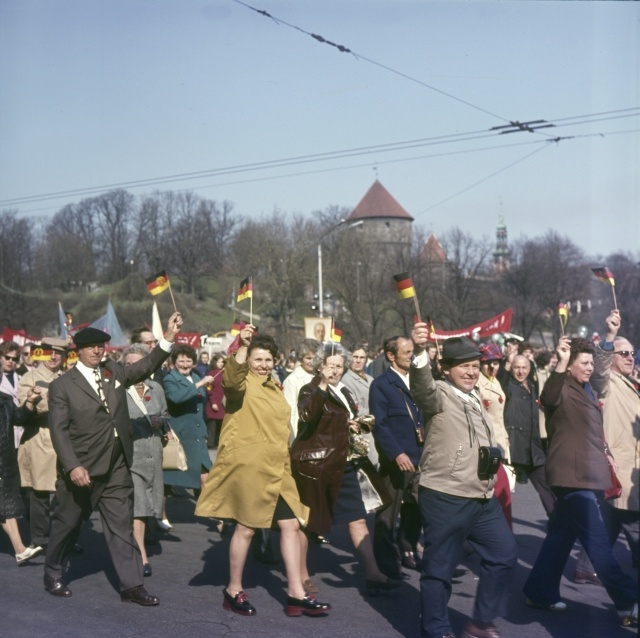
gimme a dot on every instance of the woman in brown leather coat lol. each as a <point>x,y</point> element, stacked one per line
<point>327,468</point>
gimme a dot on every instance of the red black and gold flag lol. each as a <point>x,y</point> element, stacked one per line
<point>404,285</point>
<point>72,357</point>
<point>604,274</point>
<point>236,326</point>
<point>41,353</point>
<point>158,283</point>
<point>563,313</point>
<point>246,289</point>
<point>336,333</point>
<point>431,329</point>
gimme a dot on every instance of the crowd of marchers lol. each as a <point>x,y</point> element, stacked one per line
<point>417,448</point>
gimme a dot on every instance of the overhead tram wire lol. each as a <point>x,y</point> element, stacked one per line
<point>344,49</point>
<point>305,159</point>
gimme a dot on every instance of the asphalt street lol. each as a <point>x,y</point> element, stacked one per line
<point>190,569</point>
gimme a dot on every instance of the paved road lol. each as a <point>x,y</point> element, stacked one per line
<point>190,569</point>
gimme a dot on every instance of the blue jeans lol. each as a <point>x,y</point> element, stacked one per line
<point>577,515</point>
<point>448,522</point>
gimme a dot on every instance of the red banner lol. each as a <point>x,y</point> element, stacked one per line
<point>189,338</point>
<point>499,323</point>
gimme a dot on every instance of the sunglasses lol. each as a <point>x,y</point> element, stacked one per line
<point>625,353</point>
<point>10,358</point>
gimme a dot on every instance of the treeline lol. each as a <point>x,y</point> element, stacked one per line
<point>105,239</point>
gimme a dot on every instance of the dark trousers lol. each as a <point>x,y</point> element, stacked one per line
<point>537,477</point>
<point>402,488</point>
<point>39,516</point>
<point>448,522</point>
<point>112,494</point>
<point>577,515</point>
<point>616,521</point>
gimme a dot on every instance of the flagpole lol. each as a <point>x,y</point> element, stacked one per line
<point>415,303</point>
<point>251,308</point>
<point>613,290</point>
<point>172,298</point>
<point>561,325</point>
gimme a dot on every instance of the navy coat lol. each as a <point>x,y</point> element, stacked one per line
<point>396,418</point>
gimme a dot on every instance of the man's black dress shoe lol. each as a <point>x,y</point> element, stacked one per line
<point>308,606</point>
<point>139,595</point>
<point>56,587</point>
<point>238,604</point>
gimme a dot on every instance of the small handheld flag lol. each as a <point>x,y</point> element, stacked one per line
<point>236,326</point>
<point>404,285</point>
<point>406,290</point>
<point>158,283</point>
<point>246,289</point>
<point>606,276</point>
<point>41,353</point>
<point>563,315</point>
<point>336,333</point>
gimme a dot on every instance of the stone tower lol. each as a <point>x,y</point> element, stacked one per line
<point>502,252</point>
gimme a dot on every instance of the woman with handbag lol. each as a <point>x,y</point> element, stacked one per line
<point>335,477</point>
<point>251,480</point>
<point>149,422</point>
<point>578,471</point>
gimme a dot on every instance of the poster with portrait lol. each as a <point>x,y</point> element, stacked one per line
<point>317,328</point>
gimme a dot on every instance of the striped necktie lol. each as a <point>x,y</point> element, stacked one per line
<point>101,394</point>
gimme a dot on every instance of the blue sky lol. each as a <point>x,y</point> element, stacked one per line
<point>96,93</point>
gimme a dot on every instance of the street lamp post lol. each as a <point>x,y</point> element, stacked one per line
<point>320,290</point>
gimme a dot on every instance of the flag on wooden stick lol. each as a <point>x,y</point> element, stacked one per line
<point>606,276</point>
<point>246,289</point>
<point>158,283</point>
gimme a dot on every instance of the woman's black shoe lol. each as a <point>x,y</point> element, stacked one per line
<point>238,604</point>
<point>308,606</point>
<point>374,587</point>
<point>146,569</point>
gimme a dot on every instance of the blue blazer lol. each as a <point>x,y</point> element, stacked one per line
<point>396,418</point>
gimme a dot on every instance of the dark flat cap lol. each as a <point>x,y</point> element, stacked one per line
<point>89,336</point>
<point>456,349</point>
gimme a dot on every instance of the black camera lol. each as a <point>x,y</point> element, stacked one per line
<point>488,461</point>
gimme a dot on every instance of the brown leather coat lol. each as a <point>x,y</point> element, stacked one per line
<point>319,453</point>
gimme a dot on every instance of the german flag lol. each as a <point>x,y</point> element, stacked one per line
<point>158,283</point>
<point>563,313</point>
<point>72,357</point>
<point>404,285</point>
<point>41,353</point>
<point>246,289</point>
<point>604,274</point>
<point>431,329</point>
<point>236,326</point>
<point>336,333</point>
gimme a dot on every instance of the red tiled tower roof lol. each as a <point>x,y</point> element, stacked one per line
<point>432,250</point>
<point>378,202</point>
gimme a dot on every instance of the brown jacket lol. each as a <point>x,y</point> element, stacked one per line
<point>319,453</point>
<point>575,455</point>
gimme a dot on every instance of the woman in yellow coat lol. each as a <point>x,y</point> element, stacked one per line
<point>251,480</point>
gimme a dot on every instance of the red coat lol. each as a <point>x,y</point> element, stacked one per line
<point>215,395</point>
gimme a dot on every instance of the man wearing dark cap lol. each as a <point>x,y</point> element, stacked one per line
<point>89,424</point>
<point>36,456</point>
<point>456,500</point>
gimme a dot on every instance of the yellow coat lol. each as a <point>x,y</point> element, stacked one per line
<point>252,467</point>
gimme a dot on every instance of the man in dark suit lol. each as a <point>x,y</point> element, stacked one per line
<point>397,433</point>
<point>90,431</point>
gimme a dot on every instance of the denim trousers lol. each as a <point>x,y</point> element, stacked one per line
<point>577,515</point>
<point>449,521</point>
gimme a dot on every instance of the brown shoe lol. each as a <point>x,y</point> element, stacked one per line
<point>586,578</point>
<point>477,629</point>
